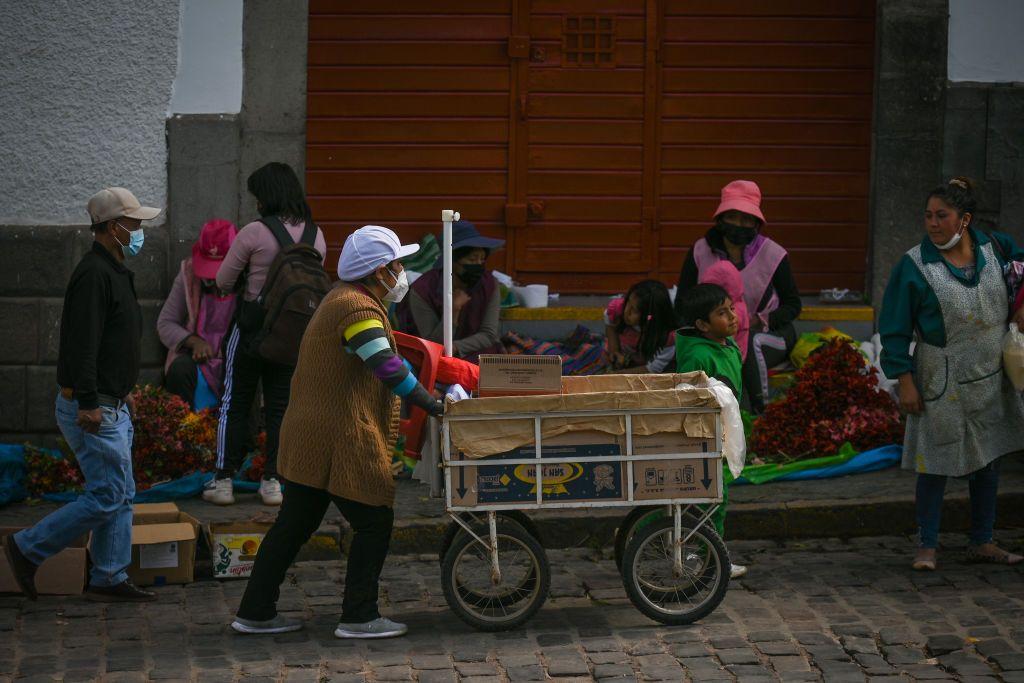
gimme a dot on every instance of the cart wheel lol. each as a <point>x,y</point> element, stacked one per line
<point>453,529</point>
<point>638,518</point>
<point>651,583</point>
<point>473,596</point>
<point>627,528</point>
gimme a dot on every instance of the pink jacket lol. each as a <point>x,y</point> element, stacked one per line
<point>728,277</point>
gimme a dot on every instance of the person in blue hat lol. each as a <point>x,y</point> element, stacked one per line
<point>476,297</point>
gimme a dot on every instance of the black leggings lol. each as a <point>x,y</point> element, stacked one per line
<point>765,350</point>
<point>300,515</point>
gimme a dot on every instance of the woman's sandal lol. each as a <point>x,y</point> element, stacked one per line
<point>993,555</point>
<point>924,561</point>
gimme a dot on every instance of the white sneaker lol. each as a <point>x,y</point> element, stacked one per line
<point>378,628</point>
<point>737,570</point>
<point>270,491</point>
<point>279,624</point>
<point>219,492</point>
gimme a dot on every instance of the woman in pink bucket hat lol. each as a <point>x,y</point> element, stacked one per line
<point>195,319</point>
<point>769,290</point>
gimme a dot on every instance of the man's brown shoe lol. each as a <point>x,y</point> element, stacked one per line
<point>23,570</point>
<point>125,591</point>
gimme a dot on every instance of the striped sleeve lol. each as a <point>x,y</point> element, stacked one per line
<point>368,340</point>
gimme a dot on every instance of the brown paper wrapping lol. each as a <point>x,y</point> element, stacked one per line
<point>481,438</point>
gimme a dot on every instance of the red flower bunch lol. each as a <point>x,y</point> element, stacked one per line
<point>48,474</point>
<point>835,399</point>
<point>170,440</point>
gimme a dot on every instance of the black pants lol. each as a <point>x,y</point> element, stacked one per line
<point>300,515</point>
<point>181,379</point>
<point>243,375</point>
<point>764,350</point>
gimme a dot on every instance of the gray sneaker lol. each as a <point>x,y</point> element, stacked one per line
<point>378,628</point>
<point>279,624</point>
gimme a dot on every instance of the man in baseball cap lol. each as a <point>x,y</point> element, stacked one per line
<point>97,368</point>
<point>337,436</point>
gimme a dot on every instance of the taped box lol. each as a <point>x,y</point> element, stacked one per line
<point>233,547</point>
<point>163,545</point>
<point>61,574</point>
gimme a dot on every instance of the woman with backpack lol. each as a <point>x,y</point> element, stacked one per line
<point>276,264</point>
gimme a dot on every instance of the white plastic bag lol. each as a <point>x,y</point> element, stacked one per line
<point>1013,356</point>
<point>734,443</point>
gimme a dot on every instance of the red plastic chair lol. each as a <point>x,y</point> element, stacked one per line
<point>424,357</point>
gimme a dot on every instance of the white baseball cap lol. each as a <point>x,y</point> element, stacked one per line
<point>369,248</point>
<point>115,202</point>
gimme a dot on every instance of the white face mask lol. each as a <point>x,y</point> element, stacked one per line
<point>954,240</point>
<point>401,288</point>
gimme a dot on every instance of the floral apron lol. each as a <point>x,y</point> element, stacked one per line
<point>972,415</point>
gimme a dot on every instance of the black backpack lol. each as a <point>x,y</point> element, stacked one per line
<point>295,286</point>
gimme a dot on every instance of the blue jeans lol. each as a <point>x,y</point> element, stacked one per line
<point>104,508</point>
<point>983,486</point>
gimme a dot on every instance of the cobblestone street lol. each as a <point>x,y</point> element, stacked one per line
<point>816,610</point>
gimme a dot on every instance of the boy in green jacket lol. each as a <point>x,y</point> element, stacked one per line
<point>704,342</point>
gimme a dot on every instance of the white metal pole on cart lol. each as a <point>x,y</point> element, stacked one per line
<point>448,216</point>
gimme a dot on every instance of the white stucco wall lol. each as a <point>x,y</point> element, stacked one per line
<point>986,41</point>
<point>84,92</point>
<point>209,79</point>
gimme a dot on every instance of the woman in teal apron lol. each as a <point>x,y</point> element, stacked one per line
<point>948,294</point>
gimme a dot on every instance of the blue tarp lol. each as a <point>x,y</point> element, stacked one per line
<point>12,474</point>
<point>868,461</point>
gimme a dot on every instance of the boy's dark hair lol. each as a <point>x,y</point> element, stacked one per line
<point>279,192</point>
<point>959,194</point>
<point>657,318</point>
<point>699,302</point>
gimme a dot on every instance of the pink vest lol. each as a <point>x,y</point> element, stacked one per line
<point>209,316</point>
<point>762,259</point>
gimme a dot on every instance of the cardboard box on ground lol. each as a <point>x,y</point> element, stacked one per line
<point>233,547</point>
<point>163,545</point>
<point>62,574</point>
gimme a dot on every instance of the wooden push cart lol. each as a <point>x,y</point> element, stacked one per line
<point>674,567</point>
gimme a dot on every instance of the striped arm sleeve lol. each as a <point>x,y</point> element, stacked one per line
<point>368,340</point>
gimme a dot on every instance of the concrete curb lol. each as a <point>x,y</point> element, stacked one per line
<point>785,521</point>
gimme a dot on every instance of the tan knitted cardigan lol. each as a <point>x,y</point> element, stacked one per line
<point>342,422</point>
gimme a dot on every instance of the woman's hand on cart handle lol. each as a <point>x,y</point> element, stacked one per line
<point>910,397</point>
<point>438,409</point>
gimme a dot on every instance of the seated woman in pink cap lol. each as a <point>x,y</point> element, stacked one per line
<point>195,319</point>
<point>769,290</point>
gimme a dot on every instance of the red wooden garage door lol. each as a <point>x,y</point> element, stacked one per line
<point>594,135</point>
<point>780,93</point>
<point>408,114</point>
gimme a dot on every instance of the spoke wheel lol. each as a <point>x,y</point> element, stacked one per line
<point>652,583</point>
<point>475,598</point>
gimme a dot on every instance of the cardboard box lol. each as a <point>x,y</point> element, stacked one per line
<point>61,574</point>
<point>683,478</point>
<point>668,442</point>
<point>163,545</point>
<point>233,547</point>
<point>563,481</point>
<point>516,375</point>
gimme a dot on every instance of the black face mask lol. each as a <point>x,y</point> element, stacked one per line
<point>737,234</point>
<point>471,273</point>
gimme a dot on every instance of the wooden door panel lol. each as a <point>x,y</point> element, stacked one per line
<point>362,78</point>
<point>399,156</point>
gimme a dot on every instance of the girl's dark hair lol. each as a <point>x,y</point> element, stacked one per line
<point>279,192</point>
<point>959,194</point>
<point>699,302</point>
<point>657,318</point>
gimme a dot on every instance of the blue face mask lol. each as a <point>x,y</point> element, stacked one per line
<point>135,240</point>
